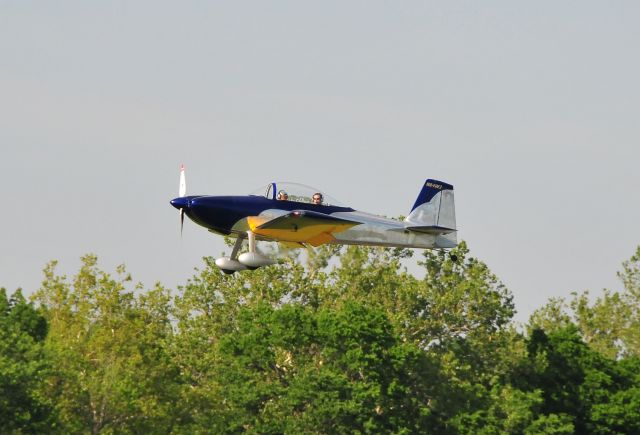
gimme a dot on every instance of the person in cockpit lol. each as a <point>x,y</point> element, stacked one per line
<point>283,196</point>
<point>317,198</point>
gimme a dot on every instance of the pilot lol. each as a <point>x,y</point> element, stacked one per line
<point>282,196</point>
<point>317,198</point>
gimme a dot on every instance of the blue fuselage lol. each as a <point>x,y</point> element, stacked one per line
<point>221,213</point>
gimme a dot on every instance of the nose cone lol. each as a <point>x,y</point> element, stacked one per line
<point>180,203</point>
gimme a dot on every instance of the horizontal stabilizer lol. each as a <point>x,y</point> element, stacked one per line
<point>431,229</point>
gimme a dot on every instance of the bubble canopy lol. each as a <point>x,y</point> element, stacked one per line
<point>295,192</point>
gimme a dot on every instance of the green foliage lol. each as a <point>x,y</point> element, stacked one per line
<point>23,366</point>
<point>336,340</point>
<point>610,324</point>
<point>476,307</point>
<point>551,424</point>
<point>551,317</point>
<point>112,370</point>
<point>294,369</point>
<point>599,394</point>
<point>463,298</point>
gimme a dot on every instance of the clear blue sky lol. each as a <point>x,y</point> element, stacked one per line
<point>529,109</point>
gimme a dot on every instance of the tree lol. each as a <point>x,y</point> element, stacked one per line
<point>630,276</point>
<point>295,369</point>
<point>23,365</point>
<point>457,319</point>
<point>598,394</point>
<point>113,371</point>
<point>347,341</point>
<point>610,323</point>
<point>462,318</point>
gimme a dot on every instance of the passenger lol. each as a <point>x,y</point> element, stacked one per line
<point>282,196</point>
<point>317,198</point>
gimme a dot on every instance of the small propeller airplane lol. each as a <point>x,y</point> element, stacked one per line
<point>300,216</point>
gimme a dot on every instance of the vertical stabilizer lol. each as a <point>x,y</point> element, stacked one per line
<point>434,208</point>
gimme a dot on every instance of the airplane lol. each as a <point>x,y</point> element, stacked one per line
<point>300,216</point>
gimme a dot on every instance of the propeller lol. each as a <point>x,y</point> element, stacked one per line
<point>182,201</point>
<point>182,191</point>
<point>183,183</point>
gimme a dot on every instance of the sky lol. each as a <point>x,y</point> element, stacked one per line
<point>530,109</point>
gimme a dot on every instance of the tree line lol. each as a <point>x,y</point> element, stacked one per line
<point>345,342</point>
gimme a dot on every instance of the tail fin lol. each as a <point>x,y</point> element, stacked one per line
<point>434,210</point>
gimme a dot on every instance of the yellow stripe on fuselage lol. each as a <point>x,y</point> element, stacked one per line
<point>315,235</point>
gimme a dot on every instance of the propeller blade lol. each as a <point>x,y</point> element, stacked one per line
<point>181,220</point>
<point>183,182</point>
<point>182,191</point>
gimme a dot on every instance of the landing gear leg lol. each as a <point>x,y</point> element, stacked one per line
<point>252,247</point>
<point>236,247</point>
<point>252,241</point>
